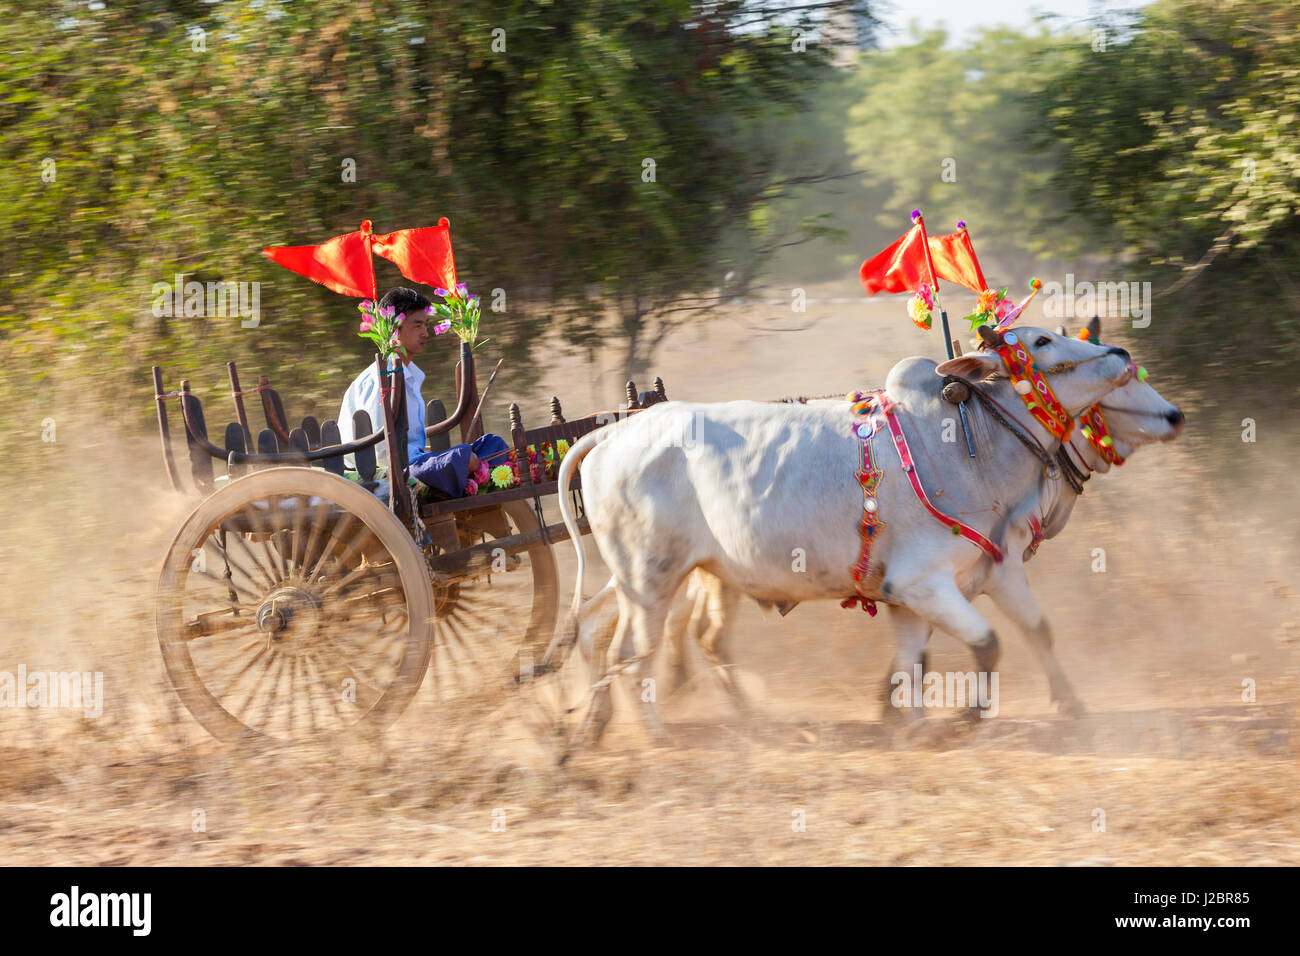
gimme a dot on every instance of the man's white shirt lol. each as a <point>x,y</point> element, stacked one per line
<point>364,393</point>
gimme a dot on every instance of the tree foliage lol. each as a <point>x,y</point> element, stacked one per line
<point>182,137</point>
<point>948,129</point>
<point>1180,141</point>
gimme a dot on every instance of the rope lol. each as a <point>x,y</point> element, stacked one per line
<point>805,399</point>
<point>1070,471</point>
<point>1007,421</point>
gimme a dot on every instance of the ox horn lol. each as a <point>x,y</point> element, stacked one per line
<point>989,337</point>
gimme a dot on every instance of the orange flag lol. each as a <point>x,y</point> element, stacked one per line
<point>341,264</point>
<point>954,260</point>
<point>422,255</point>
<point>901,267</point>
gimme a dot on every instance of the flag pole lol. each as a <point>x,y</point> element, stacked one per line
<point>943,317</point>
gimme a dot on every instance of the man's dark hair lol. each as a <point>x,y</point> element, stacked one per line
<point>404,300</point>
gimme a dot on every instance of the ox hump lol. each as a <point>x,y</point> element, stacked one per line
<point>914,376</point>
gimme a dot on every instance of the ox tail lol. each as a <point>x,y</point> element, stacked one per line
<point>580,449</point>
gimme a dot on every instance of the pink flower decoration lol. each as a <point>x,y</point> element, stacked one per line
<point>482,475</point>
<point>471,487</point>
<point>442,327</point>
<point>1003,307</point>
<point>367,324</point>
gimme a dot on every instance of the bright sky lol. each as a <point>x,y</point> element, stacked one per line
<point>961,16</point>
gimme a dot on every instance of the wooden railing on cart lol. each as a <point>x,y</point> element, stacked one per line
<point>314,443</point>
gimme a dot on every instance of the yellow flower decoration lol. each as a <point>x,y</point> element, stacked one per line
<point>502,476</point>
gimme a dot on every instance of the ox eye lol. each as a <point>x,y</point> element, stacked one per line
<point>1042,340</point>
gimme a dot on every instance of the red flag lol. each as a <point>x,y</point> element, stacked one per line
<point>954,260</point>
<point>423,255</point>
<point>341,264</point>
<point>899,268</point>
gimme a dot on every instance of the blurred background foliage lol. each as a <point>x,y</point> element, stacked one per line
<point>1165,151</point>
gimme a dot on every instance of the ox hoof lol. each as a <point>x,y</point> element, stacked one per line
<point>901,716</point>
<point>1072,708</point>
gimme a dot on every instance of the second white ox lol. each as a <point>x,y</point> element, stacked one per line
<point>764,497</point>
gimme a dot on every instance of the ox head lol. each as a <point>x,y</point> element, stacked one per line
<point>1133,415</point>
<point>1079,373</point>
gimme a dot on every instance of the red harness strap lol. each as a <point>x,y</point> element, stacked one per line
<point>1036,527</point>
<point>868,475</point>
<point>1098,435</point>
<point>909,468</point>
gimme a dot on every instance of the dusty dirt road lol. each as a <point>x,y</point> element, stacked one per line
<point>1172,766</point>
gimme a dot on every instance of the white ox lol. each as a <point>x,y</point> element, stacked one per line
<point>1136,415</point>
<point>764,497</point>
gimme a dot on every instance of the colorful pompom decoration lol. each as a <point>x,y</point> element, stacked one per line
<point>921,307</point>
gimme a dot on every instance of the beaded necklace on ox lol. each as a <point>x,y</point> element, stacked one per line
<point>876,410</point>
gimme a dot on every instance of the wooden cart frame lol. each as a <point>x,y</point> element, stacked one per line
<point>294,582</point>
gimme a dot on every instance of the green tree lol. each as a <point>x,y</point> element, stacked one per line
<point>184,137</point>
<point>948,129</point>
<point>1179,142</point>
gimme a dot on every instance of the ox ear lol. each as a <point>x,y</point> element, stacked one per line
<point>973,366</point>
<point>1094,329</point>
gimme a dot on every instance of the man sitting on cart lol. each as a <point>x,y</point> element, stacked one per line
<point>364,394</point>
<point>446,473</point>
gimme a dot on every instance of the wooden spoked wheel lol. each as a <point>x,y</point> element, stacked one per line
<point>494,624</point>
<point>293,604</point>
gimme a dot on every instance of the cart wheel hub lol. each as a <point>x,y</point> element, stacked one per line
<point>288,616</point>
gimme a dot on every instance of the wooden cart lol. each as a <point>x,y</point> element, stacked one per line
<point>294,603</point>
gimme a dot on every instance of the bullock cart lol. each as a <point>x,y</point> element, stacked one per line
<point>295,602</point>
